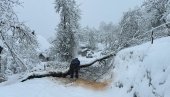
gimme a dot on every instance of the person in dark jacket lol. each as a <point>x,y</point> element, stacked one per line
<point>74,68</point>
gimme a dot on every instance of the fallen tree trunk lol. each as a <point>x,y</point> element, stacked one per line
<point>64,74</point>
<point>97,60</point>
<point>48,74</point>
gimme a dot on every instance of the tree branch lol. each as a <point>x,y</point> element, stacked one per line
<point>97,60</point>
<point>14,55</point>
<point>64,74</point>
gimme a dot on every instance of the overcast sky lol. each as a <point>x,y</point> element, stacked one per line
<point>40,15</point>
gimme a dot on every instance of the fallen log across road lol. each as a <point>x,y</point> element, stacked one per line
<point>64,74</point>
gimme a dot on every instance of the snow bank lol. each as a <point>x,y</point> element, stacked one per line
<point>144,70</point>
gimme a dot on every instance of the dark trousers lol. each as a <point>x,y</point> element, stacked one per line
<point>74,73</point>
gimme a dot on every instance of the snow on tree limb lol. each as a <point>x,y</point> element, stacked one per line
<point>14,55</point>
<point>97,60</point>
<point>41,75</point>
<point>64,74</point>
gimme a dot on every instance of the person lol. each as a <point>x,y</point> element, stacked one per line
<point>74,68</point>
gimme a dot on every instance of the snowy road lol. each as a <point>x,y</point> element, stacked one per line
<point>47,88</point>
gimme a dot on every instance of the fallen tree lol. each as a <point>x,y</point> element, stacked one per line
<point>97,60</point>
<point>64,74</point>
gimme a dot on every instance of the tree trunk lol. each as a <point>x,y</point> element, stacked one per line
<point>152,37</point>
<point>64,74</point>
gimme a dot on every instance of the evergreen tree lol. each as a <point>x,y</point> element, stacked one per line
<point>65,44</point>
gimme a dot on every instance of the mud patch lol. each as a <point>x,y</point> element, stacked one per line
<point>92,85</point>
<point>83,83</point>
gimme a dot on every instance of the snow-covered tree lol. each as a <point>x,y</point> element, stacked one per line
<point>129,26</point>
<point>89,36</point>
<point>64,45</point>
<point>155,10</point>
<point>137,24</point>
<point>108,34</point>
<point>18,41</point>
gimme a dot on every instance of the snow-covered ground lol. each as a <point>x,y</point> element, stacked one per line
<point>144,70</point>
<point>140,71</point>
<point>46,87</point>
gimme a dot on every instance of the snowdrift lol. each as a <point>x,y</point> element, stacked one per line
<point>143,71</point>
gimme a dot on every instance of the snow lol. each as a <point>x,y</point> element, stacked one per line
<point>100,46</point>
<point>141,70</point>
<point>168,18</point>
<point>132,65</point>
<point>46,88</point>
<point>43,43</point>
<point>96,53</point>
<point>1,43</point>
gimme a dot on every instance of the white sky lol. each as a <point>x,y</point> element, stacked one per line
<point>40,15</point>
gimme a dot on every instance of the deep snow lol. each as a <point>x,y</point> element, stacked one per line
<point>146,68</point>
<point>141,71</point>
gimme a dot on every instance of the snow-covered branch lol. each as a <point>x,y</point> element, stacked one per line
<point>65,73</point>
<point>98,60</point>
<point>14,55</point>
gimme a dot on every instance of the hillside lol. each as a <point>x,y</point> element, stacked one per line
<point>144,70</point>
